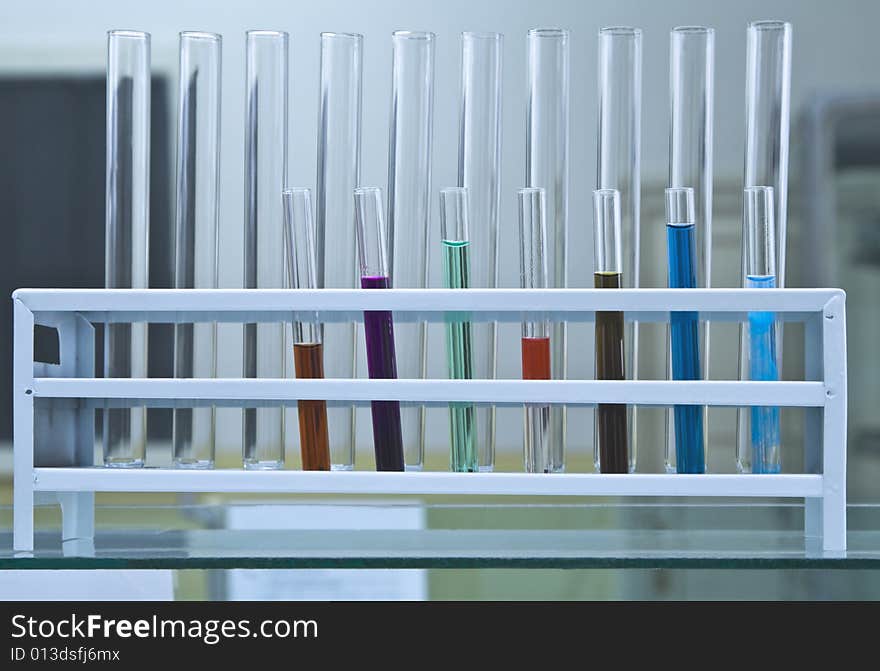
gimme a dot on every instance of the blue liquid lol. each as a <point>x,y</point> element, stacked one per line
<point>690,450</point>
<point>764,432</point>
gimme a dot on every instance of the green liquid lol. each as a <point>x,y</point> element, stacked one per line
<point>462,416</point>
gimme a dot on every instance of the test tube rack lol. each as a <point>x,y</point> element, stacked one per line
<point>54,404</point>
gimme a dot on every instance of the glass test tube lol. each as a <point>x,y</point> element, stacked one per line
<point>308,348</point>
<point>479,170</point>
<point>547,144</point>
<point>196,252</point>
<point>409,186</point>
<point>691,115</point>
<point>265,178</point>
<point>611,418</point>
<point>535,342</point>
<point>126,262</point>
<point>378,326</point>
<point>768,89</point>
<point>760,252</point>
<point>684,328</point>
<point>620,114</point>
<point>455,237</point>
<point>339,163</point>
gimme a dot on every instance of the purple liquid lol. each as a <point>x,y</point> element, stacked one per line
<point>382,364</point>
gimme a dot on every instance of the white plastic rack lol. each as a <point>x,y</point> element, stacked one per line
<point>54,404</point>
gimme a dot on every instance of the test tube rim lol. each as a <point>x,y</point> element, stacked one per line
<point>528,190</point>
<point>477,35</point>
<point>693,30</point>
<point>275,34</point>
<point>549,32</point>
<point>354,37</point>
<point>295,190</point>
<point>621,31</point>
<point>424,35</point>
<point>769,25</point>
<point>139,35</point>
<point>364,190</point>
<point>200,35</point>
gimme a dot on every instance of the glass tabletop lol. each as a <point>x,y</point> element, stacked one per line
<point>202,534</point>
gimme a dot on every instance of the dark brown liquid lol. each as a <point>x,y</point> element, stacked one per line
<point>308,361</point>
<point>610,417</point>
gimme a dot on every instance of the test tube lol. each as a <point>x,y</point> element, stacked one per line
<point>620,114</point>
<point>535,342</point>
<point>547,144</point>
<point>198,176</point>
<point>339,162</point>
<point>691,115</point>
<point>372,246</point>
<point>684,328</point>
<point>611,418</point>
<point>760,252</point>
<point>455,236</point>
<point>768,91</point>
<point>265,177</point>
<point>479,171</point>
<point>127,231</point>
<point>308,348</point>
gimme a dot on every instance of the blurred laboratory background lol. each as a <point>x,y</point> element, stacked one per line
<point>52,65</point>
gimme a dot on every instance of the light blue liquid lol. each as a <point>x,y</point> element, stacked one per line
<point>684,327</point>
<point>764,432</point>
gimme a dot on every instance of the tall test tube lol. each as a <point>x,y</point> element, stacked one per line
<point>455,237</point>
<point>763,454</point>
<point>547,144</point>
<point>308,347</point>
<point>535,342</point>
<point>611,418</point>
<point>691,117</point>
<point>127,231</point>
<point>409,186</point>
<point>619,165</point>
<point>768,94</point>
<point>479,171</point>
<point>198,177</point>
<point>378,326</point>
<point>339,163</point>
<point>265,177</point>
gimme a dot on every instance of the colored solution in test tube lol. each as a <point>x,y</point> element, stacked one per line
<point>378,326</point>
<point>308,347</point>
<point>760,244</point>
<point>535,341</point>
<point>611,418</point>
<point>127,231</point>
<point>197,215</point>
<point>684,327</point>
<point>459,346</point>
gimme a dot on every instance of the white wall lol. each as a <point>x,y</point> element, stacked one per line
<point>835,47</point>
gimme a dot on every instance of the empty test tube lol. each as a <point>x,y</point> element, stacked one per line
<point>127,231</point>
<point>198,175</point>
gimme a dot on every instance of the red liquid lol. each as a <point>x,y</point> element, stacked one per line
<point>308,361</point>
<point>536,358</point>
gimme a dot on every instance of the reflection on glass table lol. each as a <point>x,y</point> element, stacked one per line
<point>278,534</point>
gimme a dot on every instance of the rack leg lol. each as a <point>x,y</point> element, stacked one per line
<point>23,430</point>
<point>834,427</point>
<point>77,523</point>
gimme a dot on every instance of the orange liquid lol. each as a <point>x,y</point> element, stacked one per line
<point>308,361</point>
<point>536,358</point>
